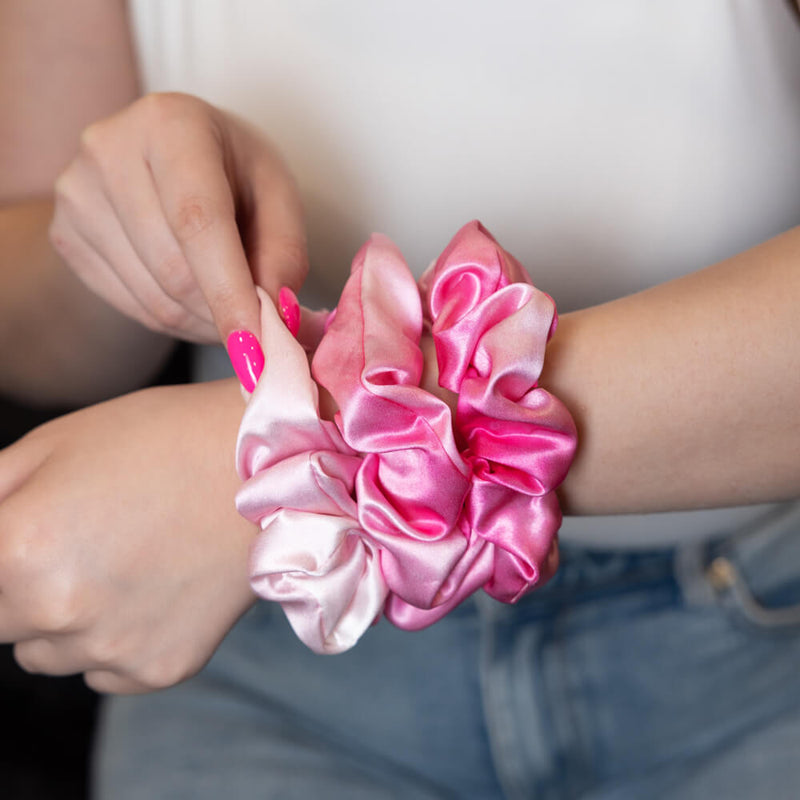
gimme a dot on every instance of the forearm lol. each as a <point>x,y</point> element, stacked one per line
<point>687,395</point>
<point>62,66</point>
<point>59,343</point>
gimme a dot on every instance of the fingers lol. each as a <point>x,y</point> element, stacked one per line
<point>70,654</point>
<point>88,233</point>
<point>199,207</point>
<point>96,274</point>
<point>107,682</point>
<point>67,655</point>
<point>46,657</point>
<point>174,211</point>
<point>276,238</point>
<point>133,196</point>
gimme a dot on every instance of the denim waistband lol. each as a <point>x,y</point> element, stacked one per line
<point>585,571</point>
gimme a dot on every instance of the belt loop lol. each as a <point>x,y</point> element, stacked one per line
<point>690,564</point>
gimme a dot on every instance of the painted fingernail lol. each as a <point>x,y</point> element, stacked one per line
<point>247,358</point>
<point>289,309</point>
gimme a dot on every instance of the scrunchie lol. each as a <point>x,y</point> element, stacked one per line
<point>396,506</point>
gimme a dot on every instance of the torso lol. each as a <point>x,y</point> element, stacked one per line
<point>609,146</point>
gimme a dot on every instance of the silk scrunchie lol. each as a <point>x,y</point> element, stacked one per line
<point>311,555</point>
<point>439,506</point>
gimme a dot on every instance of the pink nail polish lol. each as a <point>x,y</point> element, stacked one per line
<point>289,309</point>
<point>247,358</point>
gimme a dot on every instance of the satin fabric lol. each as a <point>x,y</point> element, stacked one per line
<point>396,506</point>
<point>311,555</point>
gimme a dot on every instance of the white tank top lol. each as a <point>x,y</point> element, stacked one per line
<point>609,145</point>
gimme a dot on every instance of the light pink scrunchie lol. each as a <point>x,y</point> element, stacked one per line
<point>441,506</point>
<point>311,555</point>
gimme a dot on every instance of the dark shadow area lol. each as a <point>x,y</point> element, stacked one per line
<point>48,723</point>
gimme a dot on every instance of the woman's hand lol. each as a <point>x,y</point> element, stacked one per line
<point>173,210</point>
<point>121,553</point>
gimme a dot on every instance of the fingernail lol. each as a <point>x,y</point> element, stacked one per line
<point>289,309</point>
<point>247,358</point>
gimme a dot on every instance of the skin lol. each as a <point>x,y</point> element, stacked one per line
<point>686,395</point>
<point>76,586</point>
<point>141,198</point>
<point>93,353</point>
<point>120,554</point>
<point>172,211</point>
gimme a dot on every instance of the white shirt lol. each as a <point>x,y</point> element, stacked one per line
<point>609,145</point>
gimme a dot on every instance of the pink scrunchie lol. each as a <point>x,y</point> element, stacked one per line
<point>440,507</point>
<point>311,555</point>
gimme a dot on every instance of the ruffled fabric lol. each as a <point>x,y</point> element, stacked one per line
<point>490,327</point>
<point>311,555</point>
<point>396,506</point>
<point>413,481</point>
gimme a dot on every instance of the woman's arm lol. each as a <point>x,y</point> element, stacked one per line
<point>122,554</point>
<point>687,395</point>
<point>62,65</point>
<point>60,344</point>
<point>168,208</point>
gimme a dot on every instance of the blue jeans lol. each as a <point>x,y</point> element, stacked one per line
<point>673,673</point>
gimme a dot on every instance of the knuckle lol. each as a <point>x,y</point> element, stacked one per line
<point>56,607</point>
<point>155,108</point>
<point>99,143</point>
<point>16,547</point>
<point>66,190</point>
<point>155,105</point>
<point>169,313</point>
<point>166,671</point>
<point>37,577</point>
<point>25,656</point>
<point>92,137</point>
<point>63,185</point>
<point>194,214</point>
<point>73,204</point>
<point>175,277</point>
<point>104,652</point>
<point>163,107</point>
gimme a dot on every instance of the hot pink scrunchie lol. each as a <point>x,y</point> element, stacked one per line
<point>398,507</point>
